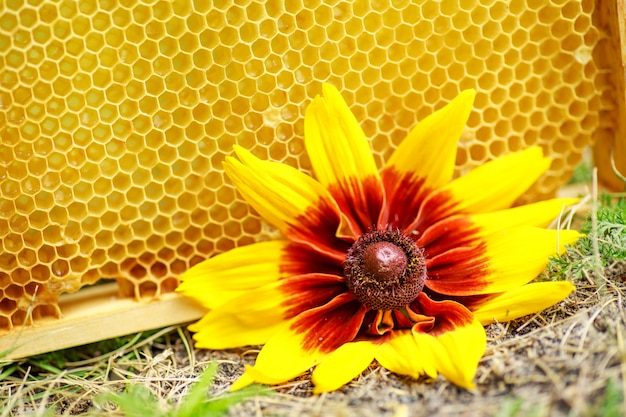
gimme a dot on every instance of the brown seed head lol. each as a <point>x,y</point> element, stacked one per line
<point>385,270</point>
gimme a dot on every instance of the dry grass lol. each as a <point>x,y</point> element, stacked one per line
<point>557,363</point>
<point>569,360</point>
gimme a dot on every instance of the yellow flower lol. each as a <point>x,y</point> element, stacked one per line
<point>402,266</point>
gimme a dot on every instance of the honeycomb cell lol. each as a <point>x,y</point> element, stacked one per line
<point>119,115</point>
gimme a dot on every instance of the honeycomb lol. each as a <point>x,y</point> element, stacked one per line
<point>116,115</point>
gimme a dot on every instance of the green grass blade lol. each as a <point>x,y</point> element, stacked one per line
<point>198,393</point>
<point>219,406</point>
<point>135,401</point>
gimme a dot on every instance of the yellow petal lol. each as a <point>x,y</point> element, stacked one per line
<point>518,255</point>
<point>466,230</point>
<point>342,365</point>
<point>243,381</point>
<point>230,331</point>
<point>455,354</point>
<point>284,196</point>
<point>508,259</point>
<point>539,214</point>
<point>497,184</point>
<point>281,359</point>
<point>429,151</point>
<point>335,142</point>
<point>251,318</point>
<point>490,187</point>
<point>225,276</point>
<point>404,355</point>
<point>342,160</point>
<point>521,301</point>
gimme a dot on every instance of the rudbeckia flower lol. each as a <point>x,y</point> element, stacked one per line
<point>402,266</point>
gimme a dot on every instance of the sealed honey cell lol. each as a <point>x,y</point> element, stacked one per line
<point>116,115</point>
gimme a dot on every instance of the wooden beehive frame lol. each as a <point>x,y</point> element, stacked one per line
<point>610,153</point>
<point>97,313</point>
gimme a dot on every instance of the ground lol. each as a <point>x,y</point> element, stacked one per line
<point>567,361</point>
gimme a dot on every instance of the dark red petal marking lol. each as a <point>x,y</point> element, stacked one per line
<point>459,271</point>
<point>424,326</point>
<point>360,202</point>
<point>453,232</point>
<point>382,323</point>
<point>417,316</point>
<point>317,229</point>
<point>404,197</point>
<point>402,321</point>
<point>371,321</point>
<point>328,327</point>
<point>436,206</point>
<point>378,323</point>
<point>306,292</point>
<point>299,259</point>
<point>448,314</point>
<point>472,302</point>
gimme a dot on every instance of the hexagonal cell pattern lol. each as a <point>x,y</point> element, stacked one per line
<point>116,115</point>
